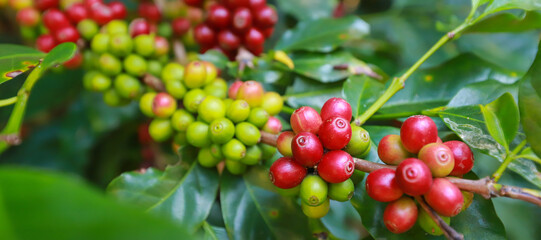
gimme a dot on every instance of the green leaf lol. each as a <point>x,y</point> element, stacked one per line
<point>216,57</point>
<point>482,93</point>
<point>46,205</point>
<point>183,196</point>
<point>314,9</point>
<point>59,55</point>
<point>307,92</point>
<point>342,221</point>
<point>494,127</point>
<point>501,5</point>
<point>508,22</point>
<point>214,233</point>
<point>502,119</point>
<point>16,59</point>
<point>251,210</point>
<point>322,35</point>
<point>360,92</point>
<point>527,169</point>
<point>530,104</point>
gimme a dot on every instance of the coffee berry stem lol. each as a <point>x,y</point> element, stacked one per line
<point>448,231</point>
<point>485,187</point>
<point>8,101</point>
<point>508,159</point>
<point>180,52</point>
<point>153,82</point>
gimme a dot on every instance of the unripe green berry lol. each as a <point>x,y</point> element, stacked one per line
<point>234,150</point>
<point>193,99</point>
<point>87,28</point>
<point>116,27</point>
<point>216,151</point>
<point>215,91</point>
<point>227,103</point>
<point>99,82</point>
<point>221,130</point>
<point>176,89</point>
<point>181,119</point>
<point>90,60</point>
<point>113,99</point>
<point>160,129</point>
<point>198,134</point>
<point>28,33</point>
<point>313,190</point>
<point>235,167</point>
<point>206,159</point>
<point>253,155</point>
<point>238,111</point>
<point>211,108</point>
<point>219,83</point>
<point>211,72</point>
<point>100,43</point>
<point>145,104</point>
<point>272,103</point>
<point>258,116</point>
<point>144,45</point>
<point>317,211</point>
<point>247,133</point>
<point>120,45</point>
<point>357,176</point>
<point>195,74</point>
<point>267,151</point>
<point>127,86</point>
<point>359,142</point>
<point>165,30</point>
<point>155,68</point>
<point>87,79</point>
<point>180,139</point>
<point>173,72</point>
<point>428,225</point>
<point>289,192</point>
<point>341,191</point>
<point>109,64</point>
<point>135,65</point>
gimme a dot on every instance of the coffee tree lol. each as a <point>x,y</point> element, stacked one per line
<point>254,119</point>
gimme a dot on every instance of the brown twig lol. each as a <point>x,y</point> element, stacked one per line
<point>448,231</point>
<point>153,82</point>
<point>180,52</point>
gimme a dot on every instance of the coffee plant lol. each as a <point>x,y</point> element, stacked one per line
<point>256,119</point>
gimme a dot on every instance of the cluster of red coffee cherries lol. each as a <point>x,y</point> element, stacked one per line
<point>231,24</point>
<point>423,162</point>
<point>313,156</point>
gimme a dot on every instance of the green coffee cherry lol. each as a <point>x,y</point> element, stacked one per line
<point>198,134</point>
<point>135,65</point>
<point>341,191</point>
<point>427,224</point>
<point>215,91</point>
<point>127,86</point>
<point>90,60</point>
<point>193,99</point>
<point>99,82</point>
<point>216,151</point>
<point>113,99</point>
<point>181,119</point>
<point>290,192</point>
<point>165,30</point>
<point>87,79</point>
<point>357,177</point>
<point>234,150</point>
<point>120,45</point>
<point>317,211</point>
<point>180,139</point>
<point>109,64</point>
<point>160,129</point>
<point>195,74</point>
<point>258,116</point>
<point>28,33</point>
<point>235,167</point>
<point>87,28</point>
<point>211,108</point>
<point>173,72</point>
<point>219,83</point>
<point>145,104</point>
<point>221,130</point>
<point>313,190</point>
<point>144,45</point>
<point>154,67</point>
<point>116,27</point>
<point>176,89</point>
<point>227,102</point>
<point>206,159</point>
<point>211,72</point>
<point>253,155</point>
<point>267,151</point>
<point>272,103</point>
<point>360,141</point>
<point>247,133</point>
<point>100,43</point>
<point>238,111</point>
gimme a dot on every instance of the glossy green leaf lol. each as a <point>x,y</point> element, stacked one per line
<point>494,127</point>
<point>502,119</point>
<point>251,209</point>
<point>47,205</point>
<point>322,35</point>
<point>16,59</point>
<point>360,92</point>
<point>482,93</point>
<point>314,9</point>
<point>59,54</point>
<point>183,196</point>
<point>214,233</point>
<point>307,92</point>
<point>342,221</point>
<point>501,5</point>
<point>216,57</point>
<point>527,169</point>
<point>508,22</point>
<point>530,104</point>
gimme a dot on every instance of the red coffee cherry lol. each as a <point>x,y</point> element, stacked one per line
<point>194,3</point>
<point>307,149</point>
<point>101,13</point>
<point>305,119</point>
<point>45,43</point>
<point>256,4</point>
<point>335,133</point>
<point>256,50</point>
<point>336,107</point>
<point>180,26</point>
<point>445,197</point>
<point>336,166</point>
<point>139,26</point>
<point>204,35</point>
<point>273,125</point>
<point>236,3</point>
<point>149,11</point>
<point>267,32</point>
<point>75,61</point>
<point>90,3</point>
<point>234,89</point>
<point>119,10</point>
<point>286,173</point>
<point>413,177</point>
<point>218,16</point>
<point>399,216</point>
<point>45,4</point>
<point>439,158</point>
<point>28,17</point>
<point>66,34</point>
<point>252,92</point>
<point>391,150</point>
<point>463,157</point>
<point>163,105</point>
<point>381,185</point>
<point>253,38</point>
<point>265,17</point>
<point>418,131</point>
<point>228,41</point>
<point>241,20</point>
<point>283,143</point>
<point>77,12</point>
<point>54,19</point>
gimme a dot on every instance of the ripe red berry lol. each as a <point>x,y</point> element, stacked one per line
<point>381,185</point>
<point>218,16</point>
<point>336,166</point>
<point>241,20</point>
<point>438,158</point>
<point>119,9</point>
<point>267,32</point>
<point>399,216</point>
<point>180,26</point>
<point>28,17</point>
<point>336,107</point>
<point>286,173</point>
<point>418,131</point>
<point>75,61</point>
<point>228,40</point>
<point>253,38</point>
<point>463,157</point>
<point>45,43</point>
<point>101,13</point>
<point>305,119</point>
<point>265,17</point>
<point>90,3</point>
<point>283,143</point>
<point>256,50</point>
<point>193,3</point>
<point>237,3</point>
<point>149,11</point>
<point>445,197</point>
<point>139,26</point>
<point>256,4</point>
<point>307,149</point>
<point>234,89</point>
<point>335,133</point>
<point>66,34</point>
<point>54,19</point>
<point>391,150</point>
<point>273,125</point>
<point>413,177</point>
<point>45,4</point>
<point>77,12</point>
<point>204,35</point>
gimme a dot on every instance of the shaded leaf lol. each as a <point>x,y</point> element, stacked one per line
<point>506,114</point>
<point>508,22</point>
<point>360,92</point>
<point>342,221</point>
<point>501,5</point>
<point>16,59</point>
<point>307,92</point>
<point>530,104</point>
<point>216,57</point>
<point>482,93</point>
<point>527,169</point>
<point>314,9</point>
<point>214,233</point>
